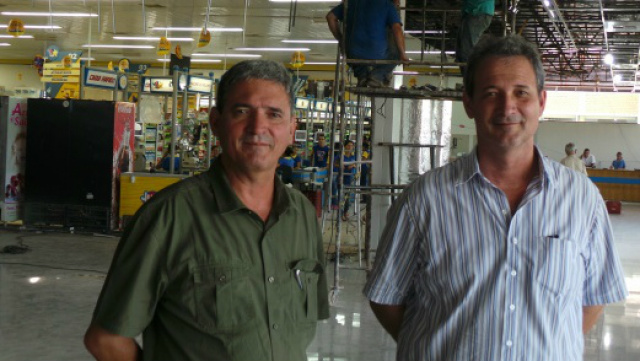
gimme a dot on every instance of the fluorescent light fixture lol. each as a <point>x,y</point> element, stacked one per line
<point>227,55</point>
<point>29,13</point>
<point>18,37</point>
<point>149,38</point>
<point>213,30</point>
<point>5,44</point>
<point>444,67</point>
<point>319,63</point>
<point>117,46</point>
<point>36,27</point>
<point>272,49</point>
<point>608,59</point>
<point>306,1</point>
<point>429,52</point>
<point>194,60</point>
<point>546,3</point>
<point>405,73</point>
<point>425,32</point>
<point>326,41</point>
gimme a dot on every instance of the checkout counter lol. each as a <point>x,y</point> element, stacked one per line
<point>137,188</point>
<point>619,185</point>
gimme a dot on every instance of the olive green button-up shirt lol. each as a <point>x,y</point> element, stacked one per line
<point>204,278</point>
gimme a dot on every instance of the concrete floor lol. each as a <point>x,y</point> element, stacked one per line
<point>47,296</point>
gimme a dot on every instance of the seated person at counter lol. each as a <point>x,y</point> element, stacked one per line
<point>320,152</point>
<point>164,162</point>
<point>297,160</point>
<point>618,163</point>
<point>588,159</point>
<point>288,159</point>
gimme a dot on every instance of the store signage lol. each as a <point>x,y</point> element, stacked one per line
<point>99,78</point>
<point>60,79</point>
<point>61,72</point>
<point>200,85</point>
<point>146,87</point>
<point>161,85</point>
<point>61,66</point>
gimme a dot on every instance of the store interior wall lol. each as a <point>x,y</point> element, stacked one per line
<point>23,76</point>
<point>603,139</point>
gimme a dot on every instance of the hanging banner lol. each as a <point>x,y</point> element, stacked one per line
<point>200,84</point>
<point>161,85</point>
<point>100,78</point>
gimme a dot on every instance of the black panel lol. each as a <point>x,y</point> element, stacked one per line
<point>70,154</point>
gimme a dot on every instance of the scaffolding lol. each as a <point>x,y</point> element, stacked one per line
<point>366,97</point>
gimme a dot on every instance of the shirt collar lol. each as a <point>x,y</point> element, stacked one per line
<point>225,197</point>
<point>469,167</point>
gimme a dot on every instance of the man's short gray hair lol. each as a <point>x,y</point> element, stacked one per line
<point>510,45</point>
<point>570,148</point>
<point>253,69</point>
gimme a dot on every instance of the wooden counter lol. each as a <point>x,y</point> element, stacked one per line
<point>619,185</point>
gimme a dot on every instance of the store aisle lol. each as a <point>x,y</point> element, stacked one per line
<point>47,296</point>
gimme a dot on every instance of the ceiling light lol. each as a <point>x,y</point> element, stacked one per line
<point>547,3</point>
<point>36,27</point>
<point>326,41</point>
<point>16,37</point>
<point>195,60</point>
<point>405,73</point>
<point>320,63</point>
<point>29,13</point>
<point>5,44</point>
<point>213,30</point>
<point>608,59</point>
<point>227,55</point>
<point>429,52</point>
<point>149,38</point>
<point>425,32</point>
<point>306,1</point>
<point>118,46</point>
<point>272,49</point>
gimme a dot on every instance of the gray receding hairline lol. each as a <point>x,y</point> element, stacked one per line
<point>502,47</point>
<point>570,148</point>
<point>254,69</point>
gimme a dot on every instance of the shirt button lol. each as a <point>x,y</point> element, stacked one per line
<point>515,241</point>
<point>504,211</point>
<point>509,343</point>
<point>223,278</point>
<point>275,326</point>
<point>512,307</point>
<point>271,279</point>
<point>514,273</point>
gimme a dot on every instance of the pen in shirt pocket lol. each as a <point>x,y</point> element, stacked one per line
<point>297,274</point>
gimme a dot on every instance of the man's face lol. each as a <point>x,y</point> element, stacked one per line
<point>256,125</point>
<point>505,105</point>
<point>619,156</point>
<point>321,141</point>
<point>348,148</point>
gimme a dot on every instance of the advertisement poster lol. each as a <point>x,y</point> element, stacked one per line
<point>14,124</point>
<point>123,145</point>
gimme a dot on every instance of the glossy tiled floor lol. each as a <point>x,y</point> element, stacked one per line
<point>47,296</point>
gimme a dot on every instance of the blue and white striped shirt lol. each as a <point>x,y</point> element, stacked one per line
<point>481,284</point>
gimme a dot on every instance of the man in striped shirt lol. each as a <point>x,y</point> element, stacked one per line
<point>503,254</point>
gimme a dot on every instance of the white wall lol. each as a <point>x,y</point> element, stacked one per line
<point>603,139</point>
<point>12,76</point>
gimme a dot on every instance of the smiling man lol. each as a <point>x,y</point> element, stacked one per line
<point>226,265</point>
<point>503,254</point>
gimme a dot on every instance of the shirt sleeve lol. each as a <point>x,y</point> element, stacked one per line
<point>391,279</point>
<point>392,15</point>
<point>136,280</point>
<point>604,282</point>
<point>338,11</point>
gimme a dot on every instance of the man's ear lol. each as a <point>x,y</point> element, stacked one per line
<point>466,102</point>
<point>214,117</point>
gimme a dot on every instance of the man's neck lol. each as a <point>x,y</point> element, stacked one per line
<point>255,190</point>
<point>510,171</point>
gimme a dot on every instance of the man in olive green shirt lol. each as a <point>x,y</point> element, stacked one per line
<point>227,265</point>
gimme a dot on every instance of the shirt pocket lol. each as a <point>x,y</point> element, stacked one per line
<point>223,300</point>
<point>304,278</point>
<point>556,265</point>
